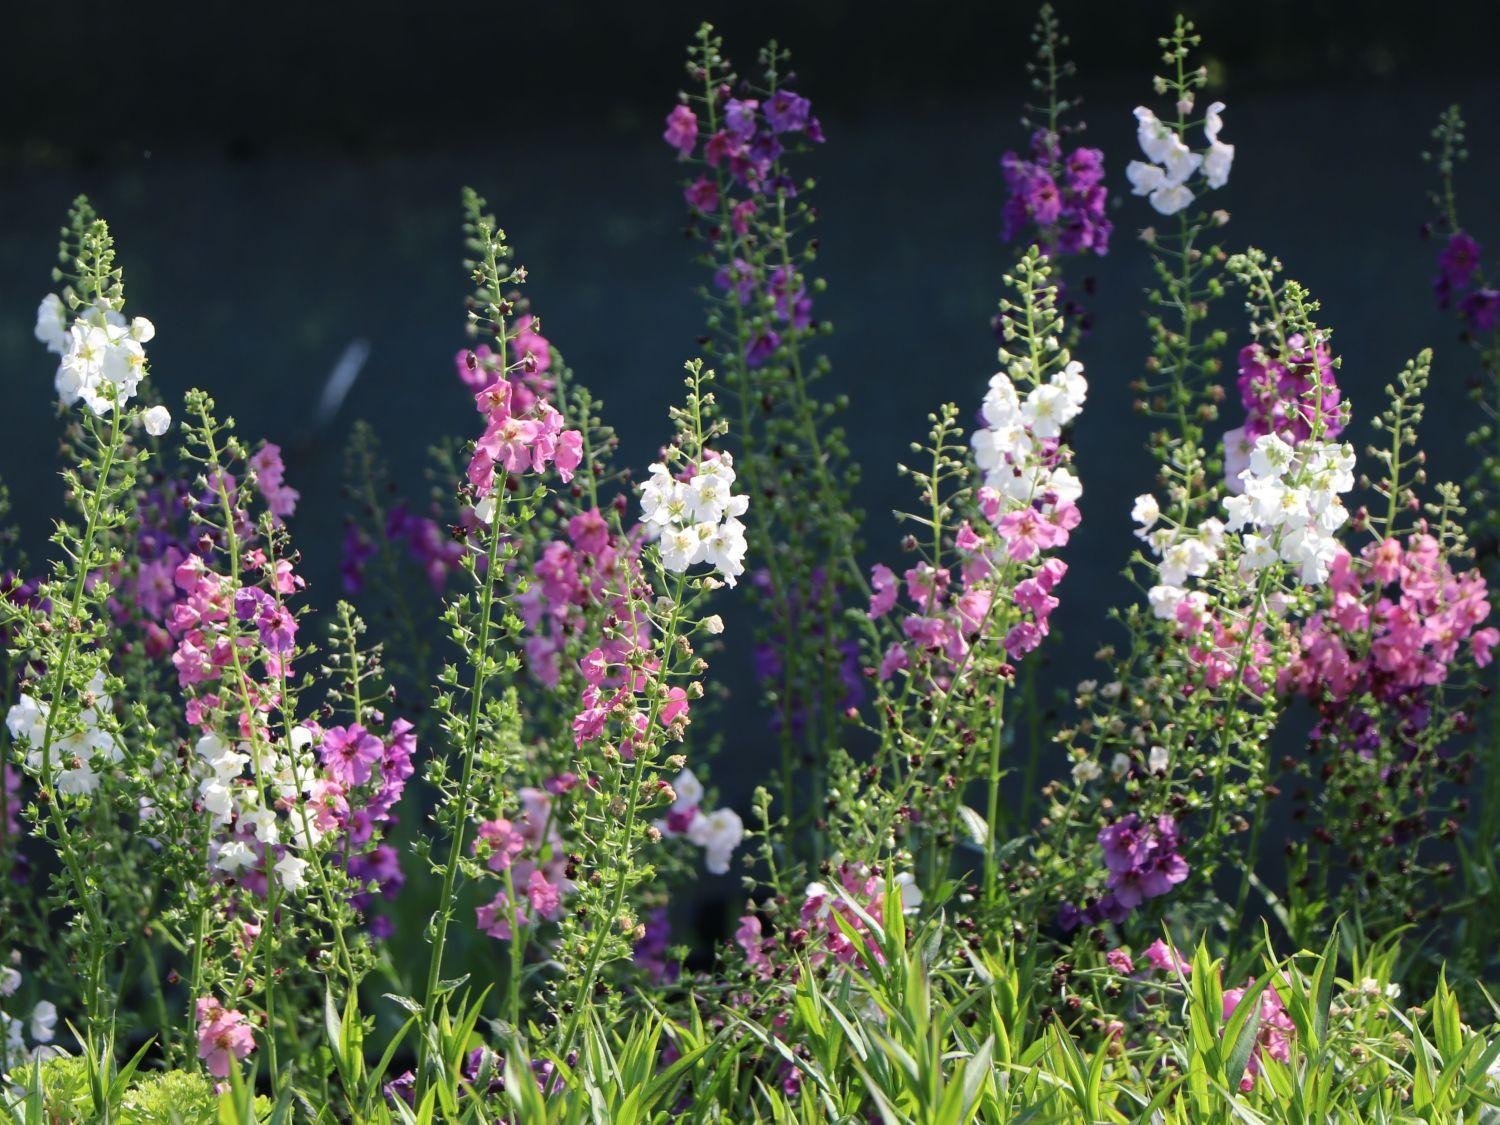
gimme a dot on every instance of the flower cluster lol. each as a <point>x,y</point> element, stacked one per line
<point>518,440</point>
<point>1018,448</point>
<point>718,833</point>
<point>1295,397</point>
<point>1458,281</point>
<point>1274,1038</point>
<point>1058,202</point>
<point>1290,507</point>
<point>1141,861</point>
<point>744,182</point>
<point>75,759</point>
<point>101,355</point>
<point>749,141</point>
<point>1170,164</point>
<point>574,580</point>
<point>694,517</point>
<point>1399,617</point>
<point>528,853</point>
<point>224,1036</point>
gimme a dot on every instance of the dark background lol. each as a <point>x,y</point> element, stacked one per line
<point>283,181</point>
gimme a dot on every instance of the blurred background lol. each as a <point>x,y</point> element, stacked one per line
<point>284,182</point>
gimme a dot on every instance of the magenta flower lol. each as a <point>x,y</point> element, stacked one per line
<point>682,131</point>
<point>351,753</point>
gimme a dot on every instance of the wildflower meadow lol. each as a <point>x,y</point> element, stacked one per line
<point>408,850</point>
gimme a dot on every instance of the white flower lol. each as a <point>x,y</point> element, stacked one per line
<point>1145,512</point>
<point>1158,759</point>
<point>10,980</point>
<point>292,872</point>
<point>1164,601</point>
<point>718,834</point>
<point>43,1021</point>
<point>714,625</point>
<point>706,496</point>
<point>157,420</point>
<point>52,324</point>
<point>724,547</point>
<point>1086,771</point>
<point>1119,766</point>
<point>263,823</point>
<point>1260,552</point>
<point>1220,156</point>
<point>681,547</point>
<point>689,791</point>
<point>1185,558</point>
<point>1270,456</point>
<point>234,856</point>
<point>217,800</point>
<point>27,720</point>
<point>911,894</point>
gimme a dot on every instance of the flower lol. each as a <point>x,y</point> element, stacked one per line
<point>1058,203</point>
<point>102,358</point>
<point>270,482</point>
<point>1273,1040</point>
<point>696,520</point>
<point>1169,165</point>
<point>157,420</point>
<point>1141,858</point>
<point>223,1036</point>
<point>1290,504</point>
<point>682,131</point>
<point>1166,958</point>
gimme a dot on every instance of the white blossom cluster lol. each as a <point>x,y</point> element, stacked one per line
<point>79,756</point>
<point>1288,510</point>
<point>697,521</point>
<point>227,797</point>
<point>1008,447</point>
<point>1182,555</point>
<point>1290,507</point>
<point>1163,176</point>
<point>102,357</point>
<point>718,833</point>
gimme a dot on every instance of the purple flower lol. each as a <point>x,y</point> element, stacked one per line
<point>788,112</point>
<point>1481,309</point>
<point>1142,860</point>
<point>1459,259</point>
<point>739,117</point>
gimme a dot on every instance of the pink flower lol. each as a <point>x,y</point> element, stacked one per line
<point>682,131</point>
<point>1164,957</point>
<point>493,918</point>
<point>883,584</point>
<point>675,707</point>
<point>502,841</point>
<point>544,897</point>
<point>223,1036</point>
<point>269,479</point>
<point>1276,1028</point>
<point>1119,961</point>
